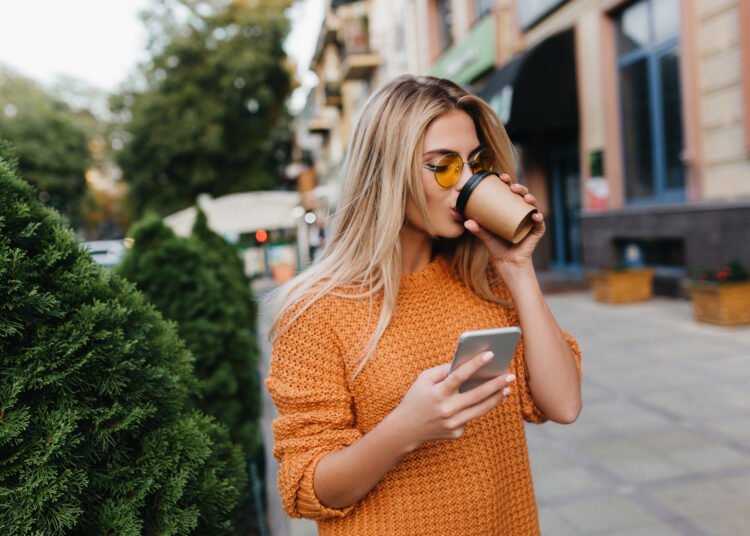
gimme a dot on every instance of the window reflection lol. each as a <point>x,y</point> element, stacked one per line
<point>632,29</point>
<point>637,131</point>
<point>666,19</point>
<point>671,104</point>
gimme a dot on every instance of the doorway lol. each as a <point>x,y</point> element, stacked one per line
<point>565,196</point>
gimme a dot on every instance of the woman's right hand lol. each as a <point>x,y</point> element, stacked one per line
<point>433,409</point>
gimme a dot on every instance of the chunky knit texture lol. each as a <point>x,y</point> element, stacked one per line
<point>479,484</point>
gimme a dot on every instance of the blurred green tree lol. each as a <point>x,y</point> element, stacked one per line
<point>51,142</point>
<point>212,118</point>
<point>97,435</point>
<point>191,281</point>
<point>198,283</point>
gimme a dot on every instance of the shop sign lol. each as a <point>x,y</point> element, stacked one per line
<point>466,60</point>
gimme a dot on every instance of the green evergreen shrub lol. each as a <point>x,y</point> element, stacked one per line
<point>196,283</point>
<point>96,435</point>
<point>240,283</point>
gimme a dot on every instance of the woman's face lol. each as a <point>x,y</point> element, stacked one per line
<point>452,132</point>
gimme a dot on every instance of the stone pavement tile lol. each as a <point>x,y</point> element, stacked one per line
<point>648,376</point>
<point>733,366</point>
<point>695,451</point>
<point>739,485</point>
<point>734,429</point>
<point>552,524</point>
<point>682,348</point>
<point>652,529</point>
<point>591,393</point>
<point>695,404</point>
<point>627,416</point>
<point>702,499</point>
<point>544,459</point>
<point>554,485</point>
<point>605,515</point>
<point>675,439</point>
<point>585,429</point>
<point>736,524</point>
<point>738,395</point>
<point>632,462</point>
<point>626,335</point>
<point>710,459</point>
<point>302,527</point>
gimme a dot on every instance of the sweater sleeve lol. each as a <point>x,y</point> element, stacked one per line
<point>307,384</point>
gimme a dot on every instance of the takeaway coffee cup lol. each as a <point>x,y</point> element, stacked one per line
<point>489,201</point>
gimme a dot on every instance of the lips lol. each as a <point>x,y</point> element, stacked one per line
<point>456,215</point>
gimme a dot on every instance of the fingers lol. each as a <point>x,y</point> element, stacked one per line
<point>477,410</point>
<point>519,189</point>
<point>486,389</point>
<point>484,397</point>
<point>473,227</point>
<point>437,374</point>
<point>464,372</point>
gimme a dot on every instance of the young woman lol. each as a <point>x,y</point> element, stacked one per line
<point>373,435</point>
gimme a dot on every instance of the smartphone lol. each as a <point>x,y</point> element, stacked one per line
<point>500,341</point>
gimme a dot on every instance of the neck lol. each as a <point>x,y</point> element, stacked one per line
<point>416,249</point>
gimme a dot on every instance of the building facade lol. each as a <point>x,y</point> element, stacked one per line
<point>631,119</point>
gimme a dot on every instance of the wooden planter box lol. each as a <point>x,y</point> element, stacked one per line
<point>727,304</point>
<point>622,286</point>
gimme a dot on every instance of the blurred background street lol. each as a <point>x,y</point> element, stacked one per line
<point>662,446</point>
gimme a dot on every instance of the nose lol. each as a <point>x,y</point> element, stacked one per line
<point>465,176</point>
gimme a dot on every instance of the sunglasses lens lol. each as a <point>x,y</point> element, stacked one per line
<point>448,169</point>
<point>483,161</point>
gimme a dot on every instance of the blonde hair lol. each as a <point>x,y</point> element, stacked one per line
<point>362,256</point>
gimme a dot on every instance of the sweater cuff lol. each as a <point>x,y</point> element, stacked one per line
<point>308,504</point>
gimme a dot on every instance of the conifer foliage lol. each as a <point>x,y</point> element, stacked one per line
<point>199,283</point>
<point>96,433</point>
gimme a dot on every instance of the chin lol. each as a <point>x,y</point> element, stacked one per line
<point>454,230</point>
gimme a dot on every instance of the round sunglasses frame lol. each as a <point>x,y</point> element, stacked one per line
<point>473,162</point>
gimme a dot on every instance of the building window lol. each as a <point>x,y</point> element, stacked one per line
<point>483,7</point>
<point>446,22</point>
<point>648,61</point>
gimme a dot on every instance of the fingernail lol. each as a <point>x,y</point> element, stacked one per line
<point>487,356</point>
<point>509,378</point>
<point>506,391</point>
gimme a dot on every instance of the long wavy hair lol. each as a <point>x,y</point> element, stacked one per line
<point>382,169</point>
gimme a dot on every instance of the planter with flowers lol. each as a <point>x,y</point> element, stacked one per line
<point>723,296</point>
<point>621,284</point>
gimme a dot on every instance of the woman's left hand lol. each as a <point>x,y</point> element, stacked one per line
<point>506,256</point>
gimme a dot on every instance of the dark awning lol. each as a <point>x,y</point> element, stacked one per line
<point>537,90</point>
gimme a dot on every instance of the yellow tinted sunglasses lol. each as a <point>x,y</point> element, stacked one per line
<point>448,169</point>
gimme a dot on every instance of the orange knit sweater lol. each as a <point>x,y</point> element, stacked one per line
<point>479,484</point>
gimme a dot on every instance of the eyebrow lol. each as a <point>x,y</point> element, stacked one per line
<point>452,151</point>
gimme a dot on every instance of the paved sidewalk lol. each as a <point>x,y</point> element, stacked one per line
<point>662,446</point>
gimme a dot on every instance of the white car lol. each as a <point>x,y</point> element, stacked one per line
<point>106,252</point>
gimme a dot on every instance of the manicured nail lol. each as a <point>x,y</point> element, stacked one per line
<point>487,356</point>
<point>506,391</point>
<point>509,378</point>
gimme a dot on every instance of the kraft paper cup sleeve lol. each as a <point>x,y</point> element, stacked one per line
<point>489,201</point>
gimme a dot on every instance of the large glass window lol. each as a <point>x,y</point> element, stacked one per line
<point>648,60</point>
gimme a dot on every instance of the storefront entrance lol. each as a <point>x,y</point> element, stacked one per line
<point>536,97</point>
<point>565,197</point>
